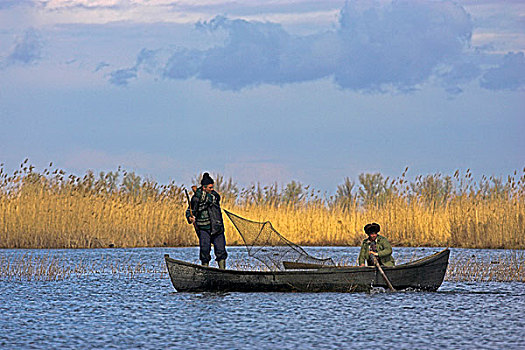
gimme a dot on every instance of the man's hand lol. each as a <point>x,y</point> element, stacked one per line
<point>374,253</point>
<point>191,220</point>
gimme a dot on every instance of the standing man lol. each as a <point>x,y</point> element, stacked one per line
<point>206,215</point>
<point>375,245</point>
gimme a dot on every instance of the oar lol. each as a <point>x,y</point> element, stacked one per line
<point>383,273</point>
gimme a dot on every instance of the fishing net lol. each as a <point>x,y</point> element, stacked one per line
<point>268,246</point>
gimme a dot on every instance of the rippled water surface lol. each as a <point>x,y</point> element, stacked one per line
<point>109,310</point>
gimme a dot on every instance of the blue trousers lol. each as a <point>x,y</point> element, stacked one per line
<point>205,242</point>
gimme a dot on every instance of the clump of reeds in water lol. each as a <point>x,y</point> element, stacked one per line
<point>28,267</point>
<point>509,267</point>
<point>50,209</point>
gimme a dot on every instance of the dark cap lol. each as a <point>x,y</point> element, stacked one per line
<point>206,179</point>
<point>372,228</point>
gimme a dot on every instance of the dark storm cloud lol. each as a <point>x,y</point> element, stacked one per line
<point>397,46</point>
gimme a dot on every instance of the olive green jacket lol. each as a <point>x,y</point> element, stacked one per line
<point>201,204</point>
<point>384,251</point>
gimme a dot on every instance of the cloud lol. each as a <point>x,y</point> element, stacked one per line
<point>27,49</point>
<point>86,4</point>
<point>400,44</point>
<point>183,64</point>
<point>256,53</point>
<point>121,77</point>
<point>376,47</point>
<point>147,60</point>
<point>101,66</point>
<point>509,75</point>
<point>453,77</point>
<point>252,55</point>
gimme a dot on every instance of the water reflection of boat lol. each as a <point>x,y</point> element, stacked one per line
<point>424,274</point>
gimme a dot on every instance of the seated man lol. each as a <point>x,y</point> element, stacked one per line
<point>375,245</point>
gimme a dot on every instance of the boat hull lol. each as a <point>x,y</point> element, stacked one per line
<point>425,274</point>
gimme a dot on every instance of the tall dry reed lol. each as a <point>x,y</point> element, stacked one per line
<point>508,267</point>
<point>48,267</point>
<point>51,209</point>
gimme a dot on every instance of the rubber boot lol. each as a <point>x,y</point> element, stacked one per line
<point>206,264</point>
<point>222,264</point>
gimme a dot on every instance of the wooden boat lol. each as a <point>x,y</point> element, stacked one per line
<point>425,274</point>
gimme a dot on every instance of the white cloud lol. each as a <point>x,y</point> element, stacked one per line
<point>182,11</point>
<point>58,4</point>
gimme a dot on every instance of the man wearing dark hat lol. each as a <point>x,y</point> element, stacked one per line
<point>206,215</point>
<point>377,246</point>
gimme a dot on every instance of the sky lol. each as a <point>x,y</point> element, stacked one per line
<point>263,91</point>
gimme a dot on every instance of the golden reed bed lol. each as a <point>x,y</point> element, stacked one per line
<point>51,209</point>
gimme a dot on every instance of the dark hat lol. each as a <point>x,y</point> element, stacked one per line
<point>206,179</point>
<point>372,228</point>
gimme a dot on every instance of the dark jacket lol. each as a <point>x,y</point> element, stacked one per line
<point>207,211</point>
<point>384,251</point>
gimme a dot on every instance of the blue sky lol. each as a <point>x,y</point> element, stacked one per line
<point>268,91</point>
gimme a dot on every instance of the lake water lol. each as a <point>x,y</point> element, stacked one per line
<point>142,310</point>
